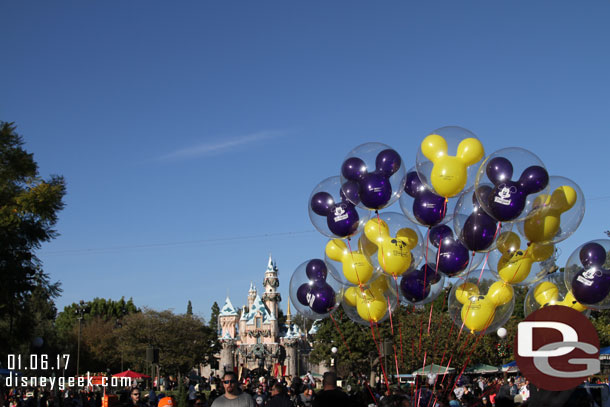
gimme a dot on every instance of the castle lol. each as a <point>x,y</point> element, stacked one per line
<point>252,337</point>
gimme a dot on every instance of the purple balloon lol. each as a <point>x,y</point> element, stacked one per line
<point>349,192</point>
<point>321,203</point>
<point>479,231</point>
<point>353,169</point>
<point>591,286</point>
<point>428,208</point>
<point>343,219</point>
<point>316,270</point>
<point>302,292</point>
<point>507,200</point>
<point>388,162</point>
<point>592,255</point>
<point>375,190</point>
<point>415,286</point>
<point>321,297</point>
<point>453,256</point>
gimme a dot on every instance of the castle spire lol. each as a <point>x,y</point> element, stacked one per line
<point>288,316</point>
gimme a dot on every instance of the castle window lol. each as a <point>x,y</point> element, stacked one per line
<point>258,322</point>
<point>259,340</point>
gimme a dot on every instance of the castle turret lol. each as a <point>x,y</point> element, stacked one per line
<point>251,294</point>
<point>271,283</point>
<point>228,318</point>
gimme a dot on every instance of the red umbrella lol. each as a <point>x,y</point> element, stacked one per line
<point>131,374</point>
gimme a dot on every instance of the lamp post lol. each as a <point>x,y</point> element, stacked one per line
<point>81,307</point>
<point>334,360</point>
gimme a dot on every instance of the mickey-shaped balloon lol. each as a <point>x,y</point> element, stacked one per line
<point>428,208</point>
<point>547,293</point>
<point>394,253</point>
<point>374,189</point>
<point>372,302</point>
<point>356,267</point>
<point>508,198</point>
<point>453,256</point>
<point>415,286</point>
<point>543,223</point>
<point>478,311</point>
<point>479,231</point>
<point>317,294</point>
<point>515,264</point>
<point>450,173</point>
<point>341,217</point>
<point>591,284</point>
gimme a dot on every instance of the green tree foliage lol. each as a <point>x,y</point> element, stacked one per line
<point>29,206</point>
<point>214,316</point>
<point>189,308</point>
<point>183,341</point>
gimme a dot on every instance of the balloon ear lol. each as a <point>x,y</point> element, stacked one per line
<point>335,249</point>
<point>321,203</point>
<point>546,292</point>
<point>541,252</point>
<point>434,147</point>
<point>534,179</point>
<point>375,229</point>
<point>409,235</point>
<point>353,169</point>
<point>470,151</point>
<point>500,293</point>
<point>349,192</point>
<point>438,233</point>
<point>499,169</point>
<point>508,242</point>
<point>414,186</point>
<point>388,162</point>
<point>466,291</point>
<point>351,296</point>
<point>484,192</point>
<point>367,247</point>
<point>563,198</point>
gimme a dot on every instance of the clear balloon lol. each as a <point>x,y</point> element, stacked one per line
<point>551,290</point>
<point>331,213</point>
<point>587,274</point>
<point>480,302</point>
<point>520,264</point>
<point>517,177</point>
<point>372,303</point>
<point>555,216</point>
<point>423,206</point>
<point>473,226</point>
<point>398,241</point>
<point>374,176</point>
<point>315,289</point>
<point>422,285</point>
<point>447,160</point>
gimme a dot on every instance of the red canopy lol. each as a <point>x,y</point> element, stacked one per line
<point>131,374</point>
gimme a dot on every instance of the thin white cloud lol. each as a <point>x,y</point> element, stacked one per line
<point>220,146</point>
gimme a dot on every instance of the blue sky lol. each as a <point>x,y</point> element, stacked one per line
<point>191,134</point>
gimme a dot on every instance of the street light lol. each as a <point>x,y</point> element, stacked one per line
<point>81,308</point>
<point>334,364</point>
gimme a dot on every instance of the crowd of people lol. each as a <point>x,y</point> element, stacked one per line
<point>265,391</point>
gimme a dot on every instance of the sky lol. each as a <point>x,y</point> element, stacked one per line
<point>192,133</point>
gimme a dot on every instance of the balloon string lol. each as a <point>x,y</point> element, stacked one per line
<point>381,246</point>
<point>349,245</point>
<point>390,312</point>
<point>423,369</point>
<point>377,345</point>
<point>445,207</point>
<point>341,333</point>
<point>371,392</point>
<point>438,255</point>
<point>396,360</point>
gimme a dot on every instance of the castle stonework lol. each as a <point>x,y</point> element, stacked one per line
<point>252,337</point>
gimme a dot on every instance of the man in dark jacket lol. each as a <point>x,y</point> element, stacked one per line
<point>279,397</point>
<point>330,396</point>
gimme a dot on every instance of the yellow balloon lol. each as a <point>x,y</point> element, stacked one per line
<point>450,173</point>
<point>515,265</point>
<point>366,246</point>
<point>478,314</point>
<point>380,285</point>
<point>543,223</point>
<point>394,253</point>
<point>356,267</point>
<point>547,293</point>
<point>500,293</point>
<point>370,308</point>
<point>351,296</point>
<point>465,292</point>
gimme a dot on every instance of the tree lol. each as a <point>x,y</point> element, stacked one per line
<point>214,316</point>
<point>29,207</point>
<point>189,308</point>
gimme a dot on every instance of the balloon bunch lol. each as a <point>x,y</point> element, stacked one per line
<point>503,211</point>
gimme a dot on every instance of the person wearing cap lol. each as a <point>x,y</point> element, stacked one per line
<point>166,402</point>
<point>233,396</point>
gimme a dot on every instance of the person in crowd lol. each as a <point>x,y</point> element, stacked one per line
<point>233,396</point>
<point>134,398</point>
<point>279,398</point>
<point>305,399</point>
<point>330,396</point>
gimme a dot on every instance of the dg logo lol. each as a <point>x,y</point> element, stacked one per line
<point>557,348</point>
